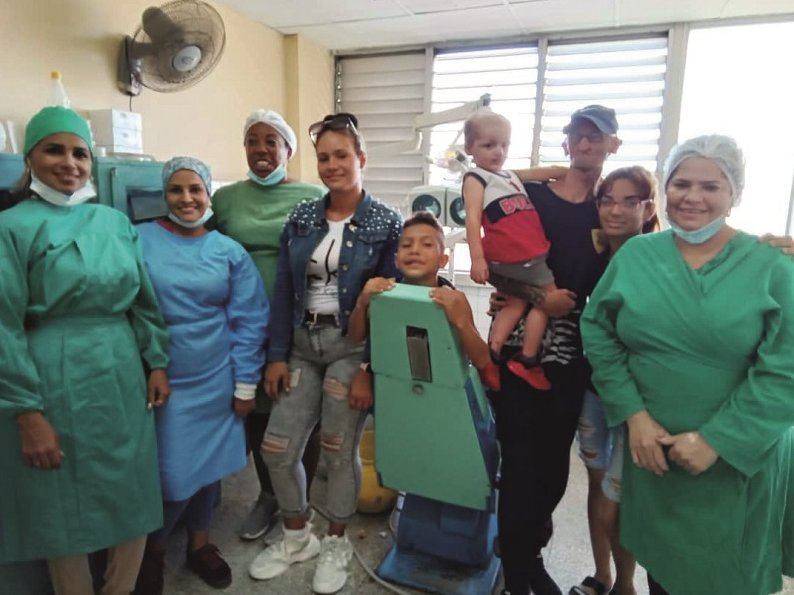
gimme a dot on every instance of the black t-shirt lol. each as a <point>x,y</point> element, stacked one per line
<point>575,261</point>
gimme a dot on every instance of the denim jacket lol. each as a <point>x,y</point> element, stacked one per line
<point>369,244</point>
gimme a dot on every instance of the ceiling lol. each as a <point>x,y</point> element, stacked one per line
<point>362,24</point>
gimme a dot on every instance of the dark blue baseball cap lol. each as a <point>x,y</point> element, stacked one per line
<point>602,117</point>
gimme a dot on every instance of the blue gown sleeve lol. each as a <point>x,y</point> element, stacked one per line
<point>760,411</point>
<point>19,378</point>
<point>247,312</point>
<point>604,350</point>
<point>151,333</point>
<point>280,326</point>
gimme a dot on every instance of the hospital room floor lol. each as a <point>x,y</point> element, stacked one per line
<point>567,557</point>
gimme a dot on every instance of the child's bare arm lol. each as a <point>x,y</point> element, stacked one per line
<point>473,199</point>
<point>458,312</point>
<point>542,174</point>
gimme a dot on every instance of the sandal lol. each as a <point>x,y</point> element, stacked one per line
<point>589,582</point>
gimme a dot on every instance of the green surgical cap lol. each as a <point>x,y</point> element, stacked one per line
<point>52,120</point>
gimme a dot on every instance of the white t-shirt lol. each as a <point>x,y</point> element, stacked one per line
<point>322,287</point>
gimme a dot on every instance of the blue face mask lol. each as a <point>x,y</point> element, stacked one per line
<point>273,178</point>
<point>698,236</point>
<point>191,224</point>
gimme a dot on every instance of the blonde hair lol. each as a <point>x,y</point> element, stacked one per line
<point>473,123</point>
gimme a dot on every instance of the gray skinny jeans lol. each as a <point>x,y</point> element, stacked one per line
<point>322,366</point>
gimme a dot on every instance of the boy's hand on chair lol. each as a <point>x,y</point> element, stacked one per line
<point>455,305</point>
<point>372,287</point>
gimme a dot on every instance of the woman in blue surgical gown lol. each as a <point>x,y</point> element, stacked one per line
<point>214,304</point>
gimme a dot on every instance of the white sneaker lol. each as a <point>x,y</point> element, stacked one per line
<point>296,546</point>
<point>276,532</point>
<point>331,573</point>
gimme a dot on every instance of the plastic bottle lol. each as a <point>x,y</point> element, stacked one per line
<point>58,94</point>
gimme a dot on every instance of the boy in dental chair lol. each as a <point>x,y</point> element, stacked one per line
<point>420,255</point>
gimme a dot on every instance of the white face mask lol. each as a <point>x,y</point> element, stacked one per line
<point>58,198</point>
<point>191,224</point>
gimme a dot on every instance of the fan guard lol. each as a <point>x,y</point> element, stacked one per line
<point>177,45</point>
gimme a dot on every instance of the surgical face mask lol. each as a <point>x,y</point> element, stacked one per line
<point>191,224</point>
<point>271,179</point>
<point>58,198</point>
<point>698,236</point>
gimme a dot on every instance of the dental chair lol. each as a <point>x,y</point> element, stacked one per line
<point>435,439</point>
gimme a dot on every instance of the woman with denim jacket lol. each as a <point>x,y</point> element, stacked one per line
<point>329,248</point>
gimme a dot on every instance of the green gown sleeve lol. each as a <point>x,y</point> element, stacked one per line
<point>605,351</point>
<point>760,411</point>
<point>19,379</point>
<point>147,322</point>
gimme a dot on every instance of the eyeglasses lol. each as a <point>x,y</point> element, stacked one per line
<point>574,138</point>
<point>630,203</point>
<point>340,121</point>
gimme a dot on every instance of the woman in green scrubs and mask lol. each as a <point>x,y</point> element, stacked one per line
<point>252,212</point>
<point>78,316</point>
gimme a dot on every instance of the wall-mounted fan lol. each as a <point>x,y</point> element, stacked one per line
<point>176,45</point>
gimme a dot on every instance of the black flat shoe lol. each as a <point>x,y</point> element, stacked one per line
<point>208,563</point>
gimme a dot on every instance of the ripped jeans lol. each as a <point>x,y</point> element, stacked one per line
<point>601,447</point>
<point>322,366</point>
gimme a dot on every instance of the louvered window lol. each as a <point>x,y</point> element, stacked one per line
<point>626,75</point>
<point>385,93</point>
<point>509,75</point>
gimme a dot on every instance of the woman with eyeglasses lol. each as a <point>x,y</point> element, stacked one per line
<point>690,334</point>
<point>329,248</point>
<point>252,212</point>
<point>626,201</point>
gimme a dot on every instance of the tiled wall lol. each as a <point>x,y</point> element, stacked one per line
<point>478,298</point>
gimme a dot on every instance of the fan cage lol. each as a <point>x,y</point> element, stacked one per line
<point>200,25</point>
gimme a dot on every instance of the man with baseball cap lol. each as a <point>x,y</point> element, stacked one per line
<point>536,430</point>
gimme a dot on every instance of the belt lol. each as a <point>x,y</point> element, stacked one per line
<point>313,319</point>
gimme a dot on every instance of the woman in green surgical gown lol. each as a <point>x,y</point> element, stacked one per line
<point>78,318</point>
<point>690,333</point>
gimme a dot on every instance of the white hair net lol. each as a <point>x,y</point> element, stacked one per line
<point>274,119</point>
<point>720,149</point>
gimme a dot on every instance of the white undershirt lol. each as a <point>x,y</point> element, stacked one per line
<point>322,287</point>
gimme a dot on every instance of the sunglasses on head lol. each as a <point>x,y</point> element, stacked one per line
<point>340,121</point>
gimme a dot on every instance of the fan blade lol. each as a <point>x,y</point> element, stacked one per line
<point>159,27</point>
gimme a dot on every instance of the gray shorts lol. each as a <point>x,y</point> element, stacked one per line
<point>520,279</point>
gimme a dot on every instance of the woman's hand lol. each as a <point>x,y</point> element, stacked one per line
<point>41,447</point>
<point>360,397</point>
<point>276,376</point>
<point>645,436</point>
<point>455,305</point>
<point>479,271</point>
<point>243,407</point>
<point>158,389</point>
<point>690,451</point>
<point>558,303</point>
<point>785,243</point>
